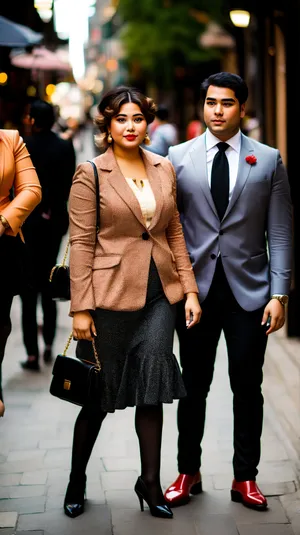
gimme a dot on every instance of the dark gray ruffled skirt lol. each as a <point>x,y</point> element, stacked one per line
<point>136,352</point>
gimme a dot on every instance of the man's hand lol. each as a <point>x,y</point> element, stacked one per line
<point>276,311</point>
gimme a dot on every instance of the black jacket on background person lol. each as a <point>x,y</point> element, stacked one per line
<point>55,162</point>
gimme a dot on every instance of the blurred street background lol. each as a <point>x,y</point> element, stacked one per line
<point>69,52</point>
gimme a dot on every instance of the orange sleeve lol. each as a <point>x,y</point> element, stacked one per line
<point>27,188</point>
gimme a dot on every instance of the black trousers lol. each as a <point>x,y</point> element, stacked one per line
<point>42,251</point>
<point>5,329</point>
<point>246,344</point>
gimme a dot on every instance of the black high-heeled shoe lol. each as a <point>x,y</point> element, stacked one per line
<point>161,511</point>
<point>75,496</point>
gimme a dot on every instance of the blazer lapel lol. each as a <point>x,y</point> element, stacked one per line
<point>118,182</point>
<point>152,165</point>
<point>243,173</point>
<point>198,157</point>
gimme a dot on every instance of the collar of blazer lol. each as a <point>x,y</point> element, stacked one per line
<point>198,155</point>
<point>107,162</point>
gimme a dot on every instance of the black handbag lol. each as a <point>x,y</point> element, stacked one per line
<point>74,380</point>
<point>60,273</point>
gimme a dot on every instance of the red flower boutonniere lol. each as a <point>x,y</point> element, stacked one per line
<point>251,159</point>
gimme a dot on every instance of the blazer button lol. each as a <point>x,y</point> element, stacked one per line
<point>145,236</point>
<point>213,256</point>
<point>221,232</point>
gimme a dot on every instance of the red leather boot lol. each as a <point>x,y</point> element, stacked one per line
<point>179,492</point>
<point>248,493</point>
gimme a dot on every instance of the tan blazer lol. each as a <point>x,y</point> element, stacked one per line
<point>113,274</point>
<point>17,170</point>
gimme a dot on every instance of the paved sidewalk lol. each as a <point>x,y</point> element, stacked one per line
<point>35,452</point>
<point>36,436</point>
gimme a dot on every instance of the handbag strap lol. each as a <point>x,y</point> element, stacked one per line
<point>64,261</point>
<point>97,195</point>
<point>98,363</point>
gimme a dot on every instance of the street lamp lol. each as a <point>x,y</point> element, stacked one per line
<point>240,17</point>
<point>44,9</point>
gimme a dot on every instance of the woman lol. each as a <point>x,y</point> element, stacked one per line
<point>20,192</point>
<point>124,286</point>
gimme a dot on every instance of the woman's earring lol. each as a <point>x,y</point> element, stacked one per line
<point>147,139</point>
<point>109,138</point>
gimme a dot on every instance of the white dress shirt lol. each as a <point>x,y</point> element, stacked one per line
<point>232,153</point>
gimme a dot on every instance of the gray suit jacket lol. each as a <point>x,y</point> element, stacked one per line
<point>254,238</point>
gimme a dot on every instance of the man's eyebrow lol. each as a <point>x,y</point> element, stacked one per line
<point>222,99</point>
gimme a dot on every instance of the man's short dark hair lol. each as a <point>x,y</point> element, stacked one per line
<point>43,114</point>
<point>162,112</point>
<point>226,79</point>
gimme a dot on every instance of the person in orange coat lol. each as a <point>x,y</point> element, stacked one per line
<point>20,193</point>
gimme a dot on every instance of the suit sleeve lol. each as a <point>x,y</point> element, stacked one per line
<point>82,229</point>
<point>177,245</point>
<point>27,188</point>
<point>279,231</point>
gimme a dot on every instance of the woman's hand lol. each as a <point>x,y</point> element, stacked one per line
<point>83,326</point>
<point>192,310</point>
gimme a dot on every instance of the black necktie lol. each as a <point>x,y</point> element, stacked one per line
<point>220,180</point>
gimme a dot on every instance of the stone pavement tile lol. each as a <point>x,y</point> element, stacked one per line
<point>275,514</point>
<point>24,505</point>
<point>9,480</point>
<point>25,455</point>
<point>278,489</point>
<point>295,522</point>
<point>276,472</point>
<point>34,478</point>
<point>96,520</point>
<point>118,480</point>
<point>7,531</point>
<point>58,458</point>
<point>113,464</point>
<point>27,491</point>
<point>122,499</point>
<point>28,533</point>
<point>8,519</point>
<point>130,522</point>
<point>270,529</point>
<point>21,466</point>
<point>216,524</point>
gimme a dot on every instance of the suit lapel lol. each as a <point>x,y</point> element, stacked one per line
<point>198,157</point>
<point>243,172</point>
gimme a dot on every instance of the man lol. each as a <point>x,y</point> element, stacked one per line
<point>233,195</point>
<point>54,160</point>
<point>165,133</point>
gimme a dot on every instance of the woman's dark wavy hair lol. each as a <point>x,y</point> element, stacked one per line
<point>226,79</point>
<point>110,105</point>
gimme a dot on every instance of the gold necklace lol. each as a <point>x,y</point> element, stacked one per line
<point>140,185</point>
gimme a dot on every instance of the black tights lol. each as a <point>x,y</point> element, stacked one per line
<point>148,424</point>
<point>5,330</point>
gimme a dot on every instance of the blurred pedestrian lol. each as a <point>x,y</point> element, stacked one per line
<point>234,198</point>
<point>165,134</point>
<point>54,160</point>
<point>128,305</point>
<point>194,128</point>
<point>20,192</point>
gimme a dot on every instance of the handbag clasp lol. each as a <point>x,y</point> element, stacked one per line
<point>67,384</point>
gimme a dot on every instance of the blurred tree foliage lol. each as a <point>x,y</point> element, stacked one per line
<point>162,36</point>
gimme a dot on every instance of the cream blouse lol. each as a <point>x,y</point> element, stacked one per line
<point>145,198</point>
